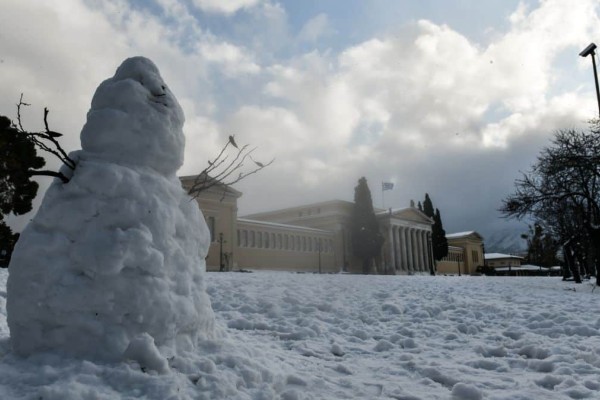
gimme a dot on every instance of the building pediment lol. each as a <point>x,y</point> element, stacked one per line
<point>407,214</point>
<point>470,235</point>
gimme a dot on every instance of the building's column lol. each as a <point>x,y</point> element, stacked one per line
<point>417,252</point>
<point>413,250</point>
<point>421,252</point>
<point>397,248</point>
<point>430,253</point>
<point>392,249</point>
<point>402,248</point>
<point>415,237</point>
<point>424,245</point>
<point>409,262</point>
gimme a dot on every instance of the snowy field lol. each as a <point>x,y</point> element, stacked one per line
<point>303,336</point>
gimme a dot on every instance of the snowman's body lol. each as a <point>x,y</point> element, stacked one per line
<point>119,250</point>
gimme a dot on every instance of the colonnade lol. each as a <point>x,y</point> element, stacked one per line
<point>409,249</point>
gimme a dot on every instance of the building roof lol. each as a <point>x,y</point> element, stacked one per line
<point>298,207</point>
<point>459,234</point>
<point>498,256</point>
<point>283,226</point>
<point>527,267</point>
<point>403,212</point>
<point>463,235</point>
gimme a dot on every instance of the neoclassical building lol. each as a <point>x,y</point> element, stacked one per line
<point>309,238</point>
<point>465,254</point>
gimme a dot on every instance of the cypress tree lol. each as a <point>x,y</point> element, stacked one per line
<point>438,237</point>
<point>420,207</point>
<point>428,207</point>
<point>364,227</point>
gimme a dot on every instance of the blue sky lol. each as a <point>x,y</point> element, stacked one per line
<point>452,98</point>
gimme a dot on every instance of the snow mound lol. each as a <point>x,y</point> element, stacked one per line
<point>114,259</point>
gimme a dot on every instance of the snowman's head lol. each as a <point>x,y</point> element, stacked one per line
<point>135,119</point>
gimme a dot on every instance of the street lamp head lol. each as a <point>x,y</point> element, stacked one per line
<point>588,50</point>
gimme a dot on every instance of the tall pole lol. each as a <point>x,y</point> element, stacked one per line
<point>319,255</point>
<point>596,80</point>
<point>221,265</point>
<point>591,51</point>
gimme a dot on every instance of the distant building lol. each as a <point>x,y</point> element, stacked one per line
<point>502,263</point>
<point>465,254</point>
<point>309,237</point>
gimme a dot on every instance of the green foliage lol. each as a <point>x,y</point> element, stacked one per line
<point>438,234</point>
<point>7,243</point>
<point>428,206</point>
<point>364,227</point>
<point>18,158</point>
<point>438,237</point>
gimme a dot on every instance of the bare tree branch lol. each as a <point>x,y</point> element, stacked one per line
<point>46,141</point>
<point>222,169</point>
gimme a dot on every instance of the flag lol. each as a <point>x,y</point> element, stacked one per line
<point>387,185</point>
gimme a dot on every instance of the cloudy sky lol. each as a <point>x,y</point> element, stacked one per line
<point>452,98</point>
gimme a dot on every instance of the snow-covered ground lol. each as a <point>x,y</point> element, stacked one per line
<point>304,336</point>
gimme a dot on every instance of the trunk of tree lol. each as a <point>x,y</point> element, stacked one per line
<point>366,262</point>
<point>595,235</point>
<point>571,264</point>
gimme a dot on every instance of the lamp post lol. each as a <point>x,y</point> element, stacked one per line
<point>221,264</point>
<point>591,50</point>
<point>319,244</point>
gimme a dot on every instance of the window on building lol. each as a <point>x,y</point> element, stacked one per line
<point>239,238</point>
<point>279,241</point>
<point>310,244</point>
<point>286,242</point>
<point>475,255</point>
<point>303,243</point>
<point>244,238</point>
<point>252,239</point>
<point>266,240</point>
<point>259,236</point>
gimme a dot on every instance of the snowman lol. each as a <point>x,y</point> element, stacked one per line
<point>112,266</point>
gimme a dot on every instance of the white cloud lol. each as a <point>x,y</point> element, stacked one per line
<point>225,6</point>
<point>315,28</point>
<point>404,107</point>
<point>234,60</point>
